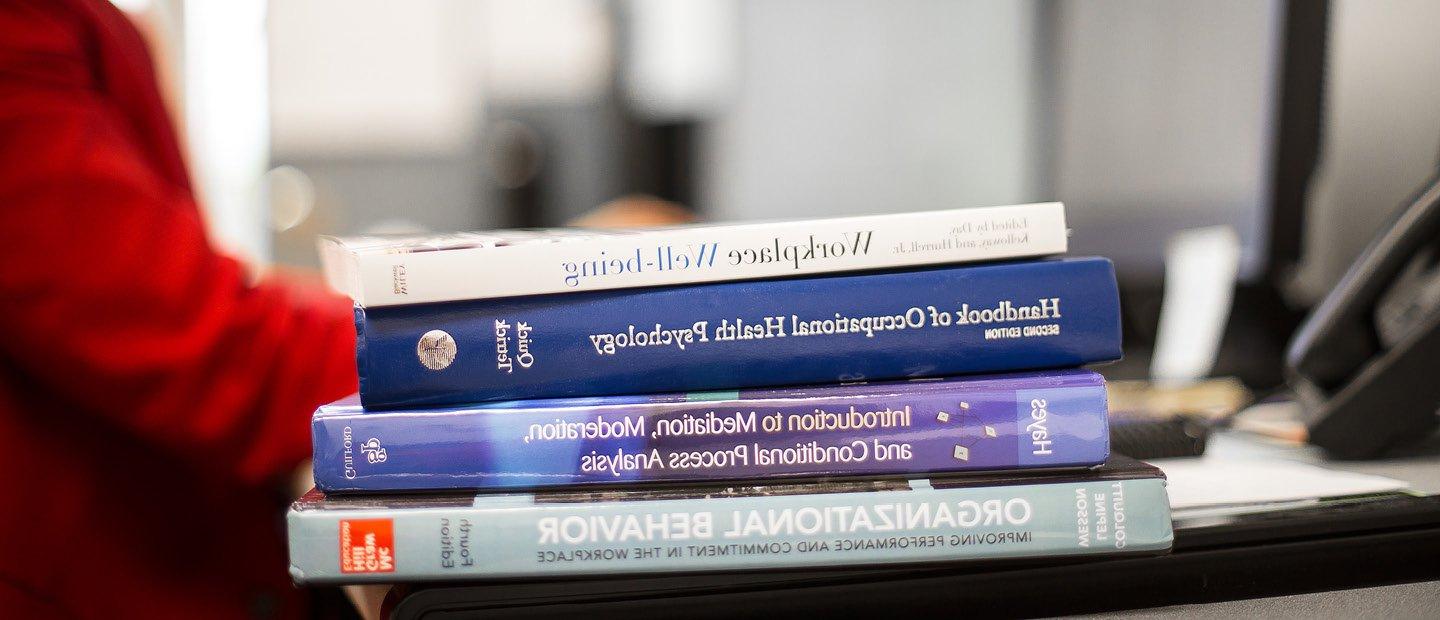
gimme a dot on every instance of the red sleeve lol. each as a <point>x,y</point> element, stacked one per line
<point>114,305</point>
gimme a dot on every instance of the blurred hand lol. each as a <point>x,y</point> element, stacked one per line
<point>367,599</point>
<point>635,211</point>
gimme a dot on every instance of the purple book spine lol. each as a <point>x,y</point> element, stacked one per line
<point>1049,419</point>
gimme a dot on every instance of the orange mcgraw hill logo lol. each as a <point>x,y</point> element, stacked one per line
<point>367,546</point>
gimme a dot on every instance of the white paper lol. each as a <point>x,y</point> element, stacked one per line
<point>1199,482</point>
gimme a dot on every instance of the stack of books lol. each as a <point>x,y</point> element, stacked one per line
<point>750,396</point>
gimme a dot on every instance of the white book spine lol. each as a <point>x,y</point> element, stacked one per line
<point>703,254</point>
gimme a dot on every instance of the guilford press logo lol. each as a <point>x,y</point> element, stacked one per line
<point>373,451</point>
<point>436,349</point>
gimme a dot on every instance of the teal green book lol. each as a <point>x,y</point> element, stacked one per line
<point>1120,507</point>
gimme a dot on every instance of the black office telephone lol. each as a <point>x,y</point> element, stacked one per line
<point>1366,362</point>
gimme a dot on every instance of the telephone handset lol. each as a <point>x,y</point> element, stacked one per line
<point>1366,362</point>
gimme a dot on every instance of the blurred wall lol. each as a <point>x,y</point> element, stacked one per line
<point>1165,121</point>
<point>856,107</point>
<point>1144,117</point>
<point>388,110</point>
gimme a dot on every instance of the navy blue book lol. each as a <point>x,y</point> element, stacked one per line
<point>892,325</point>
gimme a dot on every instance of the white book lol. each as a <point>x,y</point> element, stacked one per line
<point>387,271</point>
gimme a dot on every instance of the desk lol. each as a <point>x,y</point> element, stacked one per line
<point>1362,560</point>
<point>1419,467</point>
<point>1409,600</point>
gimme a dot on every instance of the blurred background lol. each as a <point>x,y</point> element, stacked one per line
<point>1297,128</point>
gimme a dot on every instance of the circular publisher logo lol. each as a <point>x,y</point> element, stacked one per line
<point>436,349</point>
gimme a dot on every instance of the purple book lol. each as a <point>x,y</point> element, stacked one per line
<point>1051,419</point>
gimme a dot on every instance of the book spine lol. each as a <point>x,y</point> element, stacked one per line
<point>517,536</point>
<point>710,254</point>
<point>1040,420</point>
<point>956,320</point>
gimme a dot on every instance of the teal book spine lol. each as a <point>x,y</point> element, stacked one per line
<point>359,540</point>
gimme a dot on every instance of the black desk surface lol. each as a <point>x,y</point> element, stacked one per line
<point>1321,560</point>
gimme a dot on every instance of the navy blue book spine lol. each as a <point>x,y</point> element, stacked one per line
<point>932,322</point>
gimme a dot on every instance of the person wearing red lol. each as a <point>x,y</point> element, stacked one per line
<point>153,399</point>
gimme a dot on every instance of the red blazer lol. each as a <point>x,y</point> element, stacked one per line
<point>151,396</point>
